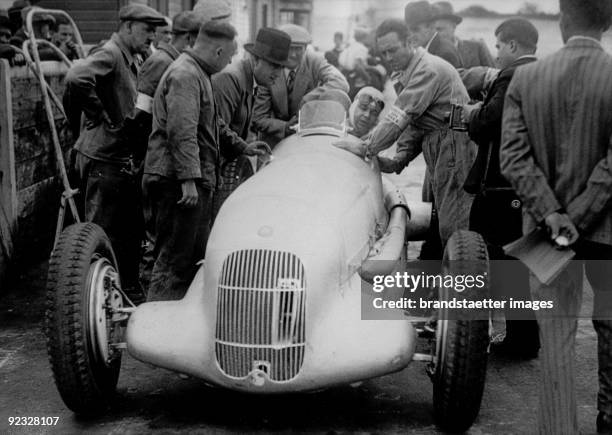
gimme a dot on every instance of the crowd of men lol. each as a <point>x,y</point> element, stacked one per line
<point>162,106</point>
<point>57,30</point>
<point>536,152</point>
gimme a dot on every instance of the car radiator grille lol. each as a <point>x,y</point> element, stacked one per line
<point>261,308</point>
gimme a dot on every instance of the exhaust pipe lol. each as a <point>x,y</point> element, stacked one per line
<point>406,223</point>
<point>419,220</point>
<point>387,250</point>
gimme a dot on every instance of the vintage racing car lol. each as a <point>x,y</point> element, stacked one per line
<point>276,305</point>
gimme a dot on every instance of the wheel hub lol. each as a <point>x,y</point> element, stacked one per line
<point>104,298</point>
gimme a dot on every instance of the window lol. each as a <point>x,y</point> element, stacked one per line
<point>301,18</point>
<point>264,16</point>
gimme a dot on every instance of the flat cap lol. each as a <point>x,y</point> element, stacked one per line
<point>298,34</point>
<point>213,10</point>
<point>186,22</point>
<point>142,13</point>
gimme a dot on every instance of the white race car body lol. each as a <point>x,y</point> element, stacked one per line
<point>276,305</point>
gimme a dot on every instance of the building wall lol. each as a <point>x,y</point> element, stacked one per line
<point>241,20</point>
<point>97,19</point>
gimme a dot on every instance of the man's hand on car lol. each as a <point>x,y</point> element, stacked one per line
<point>357,147</point>
<point>291,126</point>
<point>253,150</point>
<point>190,194</point>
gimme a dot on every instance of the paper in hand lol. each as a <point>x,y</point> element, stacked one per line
<point>543,258</point>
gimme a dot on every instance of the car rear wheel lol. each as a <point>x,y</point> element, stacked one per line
<point>82,324</point>
<point>460,361</point>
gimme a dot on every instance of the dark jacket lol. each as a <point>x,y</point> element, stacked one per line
<point>154,68</point>
<point>332,56</point>
<point>474,53</point>
<point>485,130</point>
<point>138,124</point>
<point>186,131</point>
<point>444,49</point>
<point>233,88</point>
<point>105,81</point>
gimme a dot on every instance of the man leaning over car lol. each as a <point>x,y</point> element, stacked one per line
<point>182,159</point>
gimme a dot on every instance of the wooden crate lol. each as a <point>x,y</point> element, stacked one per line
<point>29,186</point>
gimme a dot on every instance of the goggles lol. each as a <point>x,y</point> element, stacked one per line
<point>367,101</point>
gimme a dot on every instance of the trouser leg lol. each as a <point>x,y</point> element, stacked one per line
<point>150,215</point>
<point>493,216</point>
<point>599,274</point>
<point>557,413</point>
<point>112,201</point>
<point>432,248</point>
<point>181,236</point>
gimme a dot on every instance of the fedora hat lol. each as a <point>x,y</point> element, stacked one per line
<point>445,11</point>
<point>271,45</point>
<point>419,12</point>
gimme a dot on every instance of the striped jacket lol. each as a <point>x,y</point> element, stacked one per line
<point>556,138</point>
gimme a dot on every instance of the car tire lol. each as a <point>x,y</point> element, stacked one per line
<point>82,280</point>
<point>232,175</point>
<point>461,345</point>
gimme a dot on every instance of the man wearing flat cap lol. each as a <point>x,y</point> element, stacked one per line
<point>277,106</point>
<point>471,52</point>
<point>182,161</point>
<point>103,86</point>
<point>185,28</point>
<point>138,125</point>
<point>420,17</point>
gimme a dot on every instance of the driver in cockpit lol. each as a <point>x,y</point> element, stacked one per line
<point>362,113</point>
<point>365,111</point>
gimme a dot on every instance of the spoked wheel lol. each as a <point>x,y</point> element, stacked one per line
<point>460,359</point>
<point>83,325</point>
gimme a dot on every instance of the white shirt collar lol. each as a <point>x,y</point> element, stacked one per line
<point>287,71</point>
<point>526,56</point>
<point>578,37</point>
